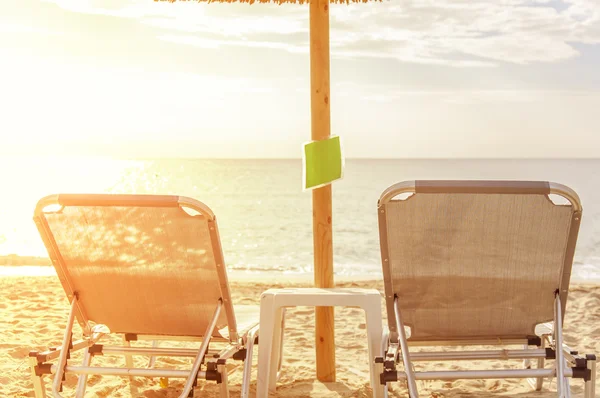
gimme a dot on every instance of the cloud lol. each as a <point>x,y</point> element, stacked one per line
<point>71,101</point>
<point>213,43</point>
<point>462,33</point>
<point>378,93</point>
<point>114,8</point>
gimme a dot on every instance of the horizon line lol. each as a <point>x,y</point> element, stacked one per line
<point>121,157</point>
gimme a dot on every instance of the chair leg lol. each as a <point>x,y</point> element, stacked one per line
<point>128,357</point>
<point>280,359</point>
<point>152,360</point>
<point>590,385</point>
<point>82,379</point>
<point>248,361</point>
<point>539,383</point>
<point>38,383</point>
<point>64,352</point>
<point>527,361</point>
<point>385,340</point>
<point>224,388</point>
<point>191,380</point>
<point>129,364</point>
<point>562,384</point>
<point>374,334</point>
<point>265,346</point>
<point>276,347</point>
<point>413,392</point>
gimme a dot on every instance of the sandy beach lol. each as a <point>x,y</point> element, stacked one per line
<point>33,311</point>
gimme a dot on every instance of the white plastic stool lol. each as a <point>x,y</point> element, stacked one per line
<point>272,303</point>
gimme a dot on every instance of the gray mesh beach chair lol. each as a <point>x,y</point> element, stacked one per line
<point>147,267</point>
<point>478,263</point>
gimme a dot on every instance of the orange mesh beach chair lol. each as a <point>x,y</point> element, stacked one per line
<point>147,267</point>
<point>479,263</point>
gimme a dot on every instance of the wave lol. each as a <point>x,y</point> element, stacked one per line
<point>14,265</point>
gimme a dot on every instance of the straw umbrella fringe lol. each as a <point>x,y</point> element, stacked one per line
<point>274,1</point>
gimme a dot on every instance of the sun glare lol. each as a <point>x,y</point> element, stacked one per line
<point>38,177</point>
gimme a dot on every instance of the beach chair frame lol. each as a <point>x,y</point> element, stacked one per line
<point>233,346</point>
<point>548,344</point>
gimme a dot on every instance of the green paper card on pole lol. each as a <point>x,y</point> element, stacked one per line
<point>323,162</point>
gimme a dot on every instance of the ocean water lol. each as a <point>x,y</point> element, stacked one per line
<point>264,216</point>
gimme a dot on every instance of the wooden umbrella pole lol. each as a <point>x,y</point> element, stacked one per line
<point>321,197</point>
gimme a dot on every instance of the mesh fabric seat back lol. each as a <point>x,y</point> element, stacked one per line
<point>475,265</point>
<point>139,269</point>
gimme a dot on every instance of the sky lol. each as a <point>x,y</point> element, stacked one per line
<point>409,78</point>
